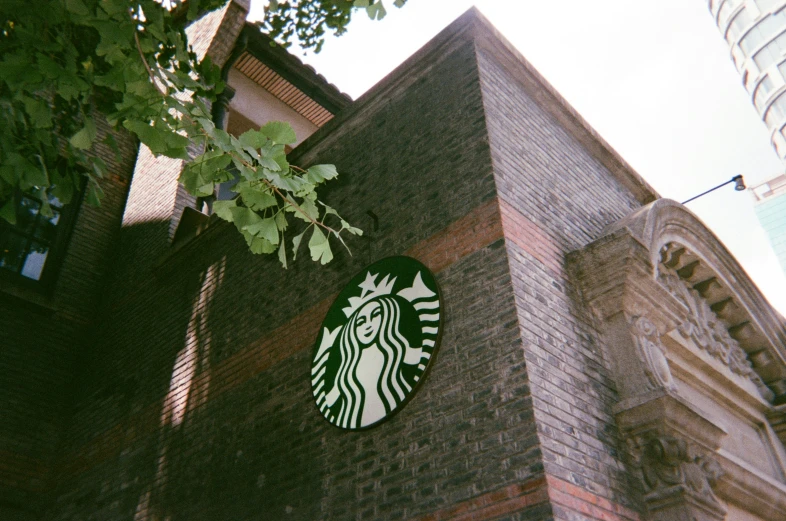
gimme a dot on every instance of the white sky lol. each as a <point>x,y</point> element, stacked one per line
<point>655,79</point>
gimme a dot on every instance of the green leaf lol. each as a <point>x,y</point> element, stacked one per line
<point>351,229</point>
<point>46,208</point>
<point>159,141</point>
<point>281,221</point>
<point>223,140</point>
<point>296,243</point>
<point>319,173</point>
<point>114,7</point>
<point>399,3</point>
<point>244,217</point>
<point>376,11</point>
<point>198,181</point>
<point>249,174</point>
<point>279,132</point>
<point>257,244</point>
<point>8,211</point>
<point>85,137</point>
<point>9,174</point>
<point>142,87</point>
<point>99,166</point>
<point>77,7</point>
<point>94,194</point>
<point>282,255</point>
<point>310,208</point>
<point>319,246</point>
<point>29,175</point>
<point>39,112</point>
<point>62,188</point>
<point>281,161</point>
<point>210,162</point>
<point>257,199</point>
<point>361,3</point>
<point>266,229</point>
<point>110,141</point>
<point>224,209</point>
<point>252,138</point>
<point>271,164</point>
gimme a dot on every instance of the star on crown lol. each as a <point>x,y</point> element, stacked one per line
<point>370,290</point>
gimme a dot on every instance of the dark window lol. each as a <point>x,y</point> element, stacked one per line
<point>29,248</point>
<point>224,190</point>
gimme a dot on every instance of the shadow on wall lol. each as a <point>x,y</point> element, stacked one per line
<point>204,404</point>
<point>144,367</point>
<point>188,390</point>
<point>178,395</point>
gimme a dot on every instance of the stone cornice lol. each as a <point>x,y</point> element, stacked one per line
<point>678,242</point>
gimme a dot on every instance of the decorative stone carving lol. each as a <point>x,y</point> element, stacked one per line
<point>678,480</point>
<point>703,327</point>
<point>650,352</point>
<point>668,461</point>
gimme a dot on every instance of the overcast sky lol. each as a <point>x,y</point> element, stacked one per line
<point>655,79</point>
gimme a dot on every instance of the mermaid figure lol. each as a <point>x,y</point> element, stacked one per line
<point>372,351</point>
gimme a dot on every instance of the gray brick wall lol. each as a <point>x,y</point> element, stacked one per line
<point>258,446</point>
<point>194,400</point>
<point>545,175</point>
<point>41,338</point>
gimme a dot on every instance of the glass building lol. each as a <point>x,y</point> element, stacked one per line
<point>771,211</point>
<point>756,32</point>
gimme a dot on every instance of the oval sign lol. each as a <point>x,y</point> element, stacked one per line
<point>376,343</point>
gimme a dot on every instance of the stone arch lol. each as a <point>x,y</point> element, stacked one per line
<point>677,240</point>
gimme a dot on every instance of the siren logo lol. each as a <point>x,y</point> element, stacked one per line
<point>376,343</point>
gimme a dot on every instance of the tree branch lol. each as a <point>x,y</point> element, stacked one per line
<point>150,72</point>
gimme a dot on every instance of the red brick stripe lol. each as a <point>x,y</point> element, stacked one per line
<point>294,336</point>
<point>518,498</point>
<point>476,230</point>
<point>584,502</point>
<point>530,237</point>
<point>508,500</point>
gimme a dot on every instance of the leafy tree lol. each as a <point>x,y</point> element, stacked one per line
<point>306,21</point>
<point>66,61</point>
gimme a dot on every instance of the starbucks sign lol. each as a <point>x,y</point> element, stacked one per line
<point>376,343</point>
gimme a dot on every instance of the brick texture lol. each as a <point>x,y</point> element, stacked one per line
<point>40,338</point>
<point>195,401</point>
<point>555,197</point>
<point>192,399</point>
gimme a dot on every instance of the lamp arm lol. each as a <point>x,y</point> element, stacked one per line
<point>732,180</point>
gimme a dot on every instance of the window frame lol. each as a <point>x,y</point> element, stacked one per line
<point>55,255</point>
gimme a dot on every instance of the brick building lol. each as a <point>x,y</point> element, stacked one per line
<point>603,355</point>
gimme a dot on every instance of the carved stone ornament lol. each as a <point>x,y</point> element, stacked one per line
<point>650,352</point>
<point>678,479</point>
<point>705,329</point>
<point>668,461</point>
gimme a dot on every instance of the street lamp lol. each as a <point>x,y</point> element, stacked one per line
<point>739,185</point>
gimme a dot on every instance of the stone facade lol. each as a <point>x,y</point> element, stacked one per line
<point>603,356</point>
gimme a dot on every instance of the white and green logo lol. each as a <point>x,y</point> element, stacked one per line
<point>376,343</point>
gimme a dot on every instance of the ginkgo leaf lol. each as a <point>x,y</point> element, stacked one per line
<point>319,246</point>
